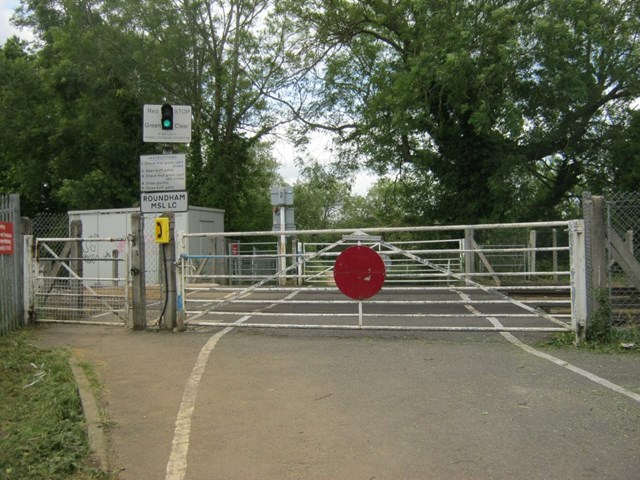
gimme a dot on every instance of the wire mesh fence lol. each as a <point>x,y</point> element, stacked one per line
<point>154,271</point>
<point>623,217</point>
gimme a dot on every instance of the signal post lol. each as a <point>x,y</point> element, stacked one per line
<point>163,191</point>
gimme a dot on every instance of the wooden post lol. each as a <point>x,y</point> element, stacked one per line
<point>598,251</point>
<point>468,254</point>
<point>170,314</point>
<point>75,264</point>
<point>138,318</point>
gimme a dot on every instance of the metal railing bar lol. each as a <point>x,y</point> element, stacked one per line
<point>374,315</point>
<point>378,328</point>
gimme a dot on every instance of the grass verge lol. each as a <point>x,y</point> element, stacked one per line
<point>42,427</point>
<point>617,340</point>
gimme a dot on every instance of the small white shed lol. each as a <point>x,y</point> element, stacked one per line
<point>115,223</point>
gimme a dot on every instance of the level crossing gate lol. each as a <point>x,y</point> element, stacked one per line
<point>75,279</point>
<point>498,277</point>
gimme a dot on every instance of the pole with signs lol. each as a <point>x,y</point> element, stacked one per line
<point>163,190</point>
<point>282,201</point>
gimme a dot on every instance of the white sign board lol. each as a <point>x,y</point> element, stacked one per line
<point>158,202</point>
<point>160,173</point>
<point>152,129</point>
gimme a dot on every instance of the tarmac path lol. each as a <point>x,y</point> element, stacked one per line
<point>322,405</point>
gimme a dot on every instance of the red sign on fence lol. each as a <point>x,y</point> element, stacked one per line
<point>6,238</point>
<point>359,272</point>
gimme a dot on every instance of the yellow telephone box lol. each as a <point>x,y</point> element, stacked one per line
<point>162,230</point>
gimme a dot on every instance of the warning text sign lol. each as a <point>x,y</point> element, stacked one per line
<point>6,238</point>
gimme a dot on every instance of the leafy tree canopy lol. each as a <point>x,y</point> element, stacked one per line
<point>488,110</point>
<point>495,102</point>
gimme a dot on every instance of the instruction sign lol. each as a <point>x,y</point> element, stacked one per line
<point>6,238</point>
<point>160,173</point>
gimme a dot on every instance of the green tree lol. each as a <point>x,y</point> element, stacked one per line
<point>320,198</point>
<point>24,129</point>
<point>97,63</point>
<point>618,168</point>
<point>497,102</point>
<point>87,153</point>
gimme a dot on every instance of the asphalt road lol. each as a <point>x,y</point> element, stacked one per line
<point>255,404</point>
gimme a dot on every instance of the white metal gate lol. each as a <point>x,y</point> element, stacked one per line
<point>499,277</point>
<point>81,280</point>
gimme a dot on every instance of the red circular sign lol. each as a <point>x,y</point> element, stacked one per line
<point>359,272</point>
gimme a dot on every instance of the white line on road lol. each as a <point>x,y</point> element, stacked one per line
<point>177,465</point>
<point>529,349</point>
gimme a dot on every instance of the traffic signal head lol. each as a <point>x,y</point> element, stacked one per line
<point>167,117</point>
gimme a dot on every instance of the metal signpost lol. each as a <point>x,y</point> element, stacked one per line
<point>282,201</point>
<point>163,188</point>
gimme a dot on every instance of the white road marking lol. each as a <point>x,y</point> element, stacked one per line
<point>177,465</point>
<point>529,349</point>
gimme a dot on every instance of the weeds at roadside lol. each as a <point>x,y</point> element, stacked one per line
<point>42,426</point>
<point>617,340</point>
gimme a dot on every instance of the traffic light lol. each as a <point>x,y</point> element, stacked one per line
<point>167,117</point>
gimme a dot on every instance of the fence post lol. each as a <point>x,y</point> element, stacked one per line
<point>578,280</point>
<point>468,254</point>
<point>11,283</point>
<point>114,267</point>
<point>554,244</point>
<point>597,257</point>
<point>28,271</point>
<point>221,262</point>
<point>137,320</point>
<point>533,240</point>
<point>76,266</point>
<point>181,314</point>
<point>169,249</point>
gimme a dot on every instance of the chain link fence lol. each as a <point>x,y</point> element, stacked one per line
<point>154,271</point>
<point>623,217</point>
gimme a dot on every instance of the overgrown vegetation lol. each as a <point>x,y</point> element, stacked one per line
<point>602,335</point>
<point>42,434</point>
<point>619,340</point>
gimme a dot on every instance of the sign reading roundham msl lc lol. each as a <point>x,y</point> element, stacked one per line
<point>158,202</point>
<point>6,238</point>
